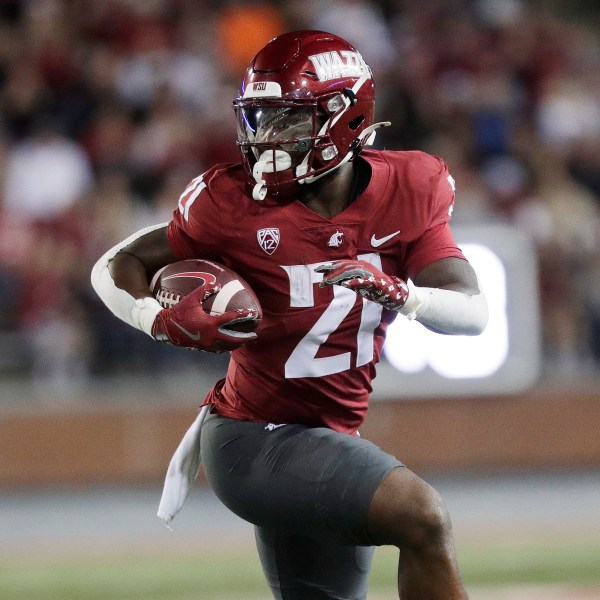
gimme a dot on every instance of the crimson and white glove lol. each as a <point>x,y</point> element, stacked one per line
<point>368,281</point>
<point>188,325</point>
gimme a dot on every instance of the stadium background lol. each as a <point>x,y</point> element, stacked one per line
<point>108,108</point>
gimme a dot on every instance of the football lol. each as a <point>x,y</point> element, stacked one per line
<point>174,281</point>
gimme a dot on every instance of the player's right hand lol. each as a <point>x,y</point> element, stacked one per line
<point>188,325</point>
<point>367,280</point>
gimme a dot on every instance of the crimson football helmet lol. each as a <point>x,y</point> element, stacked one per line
<point>305,107</point>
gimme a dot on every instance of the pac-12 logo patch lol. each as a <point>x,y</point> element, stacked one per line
<point>268,239</point>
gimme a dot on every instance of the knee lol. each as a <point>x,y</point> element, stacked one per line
<point>409,513</point>
<point>429,523</point>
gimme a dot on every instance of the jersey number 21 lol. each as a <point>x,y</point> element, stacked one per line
<point>303,361</point>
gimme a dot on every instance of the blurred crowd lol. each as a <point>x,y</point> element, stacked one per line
<point>108,109</point>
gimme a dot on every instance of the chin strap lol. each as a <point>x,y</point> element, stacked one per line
<point>368,133</point>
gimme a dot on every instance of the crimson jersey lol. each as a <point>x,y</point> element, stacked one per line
<point>316,351</point>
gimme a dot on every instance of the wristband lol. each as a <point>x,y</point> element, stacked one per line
<point>143,314</point>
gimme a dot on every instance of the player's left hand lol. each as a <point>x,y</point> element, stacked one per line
<point>368,281</point>
<point>188,325</point>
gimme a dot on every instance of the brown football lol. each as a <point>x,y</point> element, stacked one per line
<point>174,281</point>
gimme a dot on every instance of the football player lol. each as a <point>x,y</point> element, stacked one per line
<point>337,240</point>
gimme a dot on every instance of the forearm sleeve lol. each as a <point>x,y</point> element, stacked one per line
<point>138,313</point>
<point>447,311</point>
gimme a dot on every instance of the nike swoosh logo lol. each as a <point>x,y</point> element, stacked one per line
<point>194,336</point>
<point>376,242</point>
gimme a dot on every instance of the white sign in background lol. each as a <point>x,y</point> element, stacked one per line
<point>505,358</point>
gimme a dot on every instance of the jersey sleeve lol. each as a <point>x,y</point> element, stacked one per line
<point>437,241</point>
<point>442,198</point>
<point>194,230</point>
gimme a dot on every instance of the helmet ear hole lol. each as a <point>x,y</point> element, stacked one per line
<point>355,123</point>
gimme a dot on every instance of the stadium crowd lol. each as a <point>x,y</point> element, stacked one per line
<point>108,109</point>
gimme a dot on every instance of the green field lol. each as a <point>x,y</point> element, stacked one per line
<point>237,575</point>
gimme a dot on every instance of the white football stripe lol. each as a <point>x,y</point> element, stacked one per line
<point>222,299</point>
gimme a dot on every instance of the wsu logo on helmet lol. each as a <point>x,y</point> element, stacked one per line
<point>268,239</point>
<point>333,65</point>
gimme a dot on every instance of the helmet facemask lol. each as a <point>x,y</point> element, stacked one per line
<point>288,142</point>
<point>278,139</point>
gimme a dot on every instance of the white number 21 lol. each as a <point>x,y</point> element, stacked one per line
<point>303,361</point>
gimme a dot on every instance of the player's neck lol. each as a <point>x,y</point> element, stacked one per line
<point>330,195</point>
